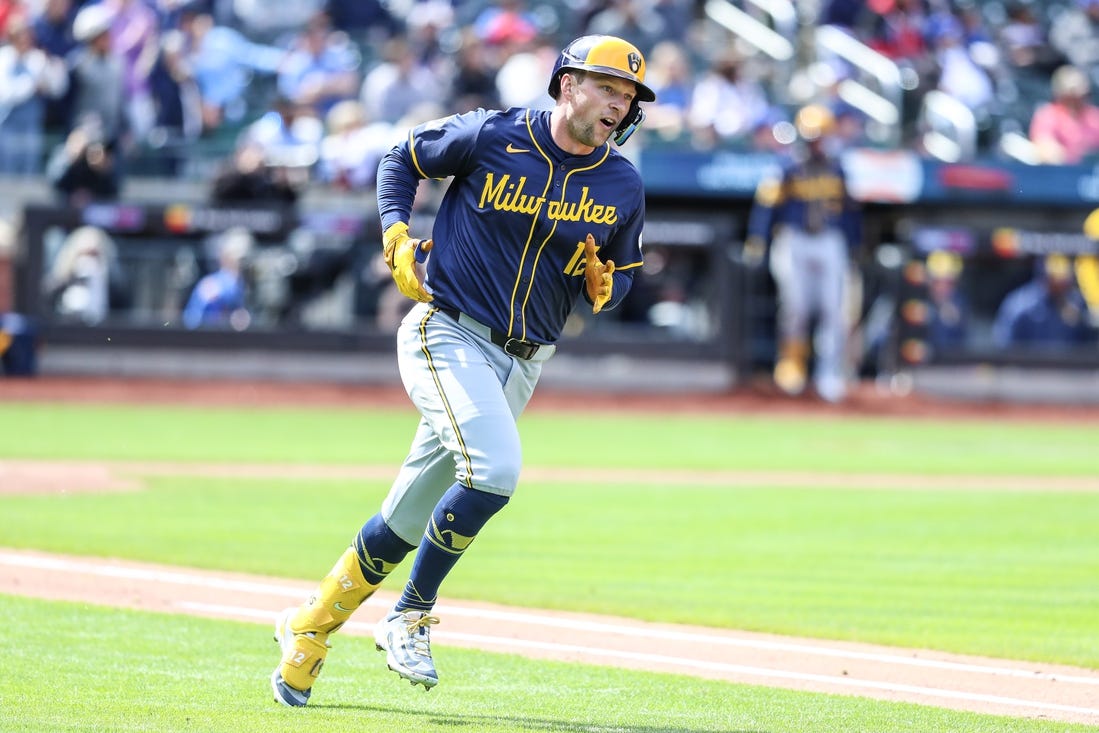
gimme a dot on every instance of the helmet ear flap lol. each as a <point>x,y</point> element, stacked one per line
<point>555,82</point>
<point>629,124</point>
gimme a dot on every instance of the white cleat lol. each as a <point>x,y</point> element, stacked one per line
<point>405,637</point>
<point>832,388</point>
<point>284,693</point>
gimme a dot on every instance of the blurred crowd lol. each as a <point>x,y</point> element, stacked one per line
<point>282,94</point>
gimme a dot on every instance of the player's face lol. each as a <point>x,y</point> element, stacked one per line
<point>599,103</point>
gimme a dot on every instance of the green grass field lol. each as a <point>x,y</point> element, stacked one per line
<point>999,573</point>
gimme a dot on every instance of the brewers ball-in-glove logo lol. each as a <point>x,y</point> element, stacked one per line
<point>634,60</point>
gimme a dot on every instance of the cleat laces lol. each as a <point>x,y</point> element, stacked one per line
<point>418,634</point>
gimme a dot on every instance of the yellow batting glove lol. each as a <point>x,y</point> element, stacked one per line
<point>598,277</point>
<point>401,255</point>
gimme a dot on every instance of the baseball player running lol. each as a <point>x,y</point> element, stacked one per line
<point>542,209</point>
<point>816,225</point>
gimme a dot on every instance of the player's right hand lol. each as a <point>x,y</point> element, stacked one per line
<point>402,254</point>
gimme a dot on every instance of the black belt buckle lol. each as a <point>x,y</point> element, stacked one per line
<point>520,349</point>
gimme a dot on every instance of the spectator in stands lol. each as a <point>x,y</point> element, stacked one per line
<point>1066,129</point>
<point>85,167</point>
<point>222,62</point>
<point>974,29</point>
<point>267,18</point>
<point>219,298</point>
<point>97,76</point>
<point>1048,312</point>
<point>1074,33</point>
<point>290,135</point>
<point>669,74</point>
<point>361,17</point>
<point>399,83</point>
<point>633,19</point>
<point>135,39</point>
<point>84,281</point>
<point>900,32</point>
<point>428,31</point>
<point>352,148</point>
<point>8,10</point>
<point>506,22</point>
<point>474,83</point>
<point>959,75</point>
<point>949,312</point>
<point>524,61</point>
<point>844,14</point>
<point>53,27</point>
<point>520,53</point>
<point>177,105</point>
<point>53,31</point>
<point>727,104</point>
<point>678,15</point>
<point>168,12</point>
<point>1025,42</point>
<point>246,178</point>
<point>321,67</point>
<point>28,77</point>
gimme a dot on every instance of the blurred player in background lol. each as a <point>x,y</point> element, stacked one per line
<point>805,213</point>
<point>1048,312</point>
<point>535,196</point>
<point>949,316</point>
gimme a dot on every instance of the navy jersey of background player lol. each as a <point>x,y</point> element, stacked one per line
<point>514,219</point>
<point>810,195</point>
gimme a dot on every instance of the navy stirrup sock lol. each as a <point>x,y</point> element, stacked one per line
<point>379,549</point>
<point>457,519</point>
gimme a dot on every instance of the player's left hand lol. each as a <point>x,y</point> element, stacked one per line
<point>598,276</point>
<point>402,253</point>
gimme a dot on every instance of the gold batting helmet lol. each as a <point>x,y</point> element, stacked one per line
<point>814,121</point>
<point>602,55</point>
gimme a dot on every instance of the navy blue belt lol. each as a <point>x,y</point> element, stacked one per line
<point>518,348</point>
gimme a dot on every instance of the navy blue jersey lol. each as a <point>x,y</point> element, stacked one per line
<point>809,195</point>
<point>509,234</point>
<point>1032,316</point>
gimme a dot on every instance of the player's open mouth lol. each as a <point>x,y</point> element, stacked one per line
<point>609,122</point>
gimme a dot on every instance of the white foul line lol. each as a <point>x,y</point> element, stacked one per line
<point>682,636</point>
<point>681,662</point>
